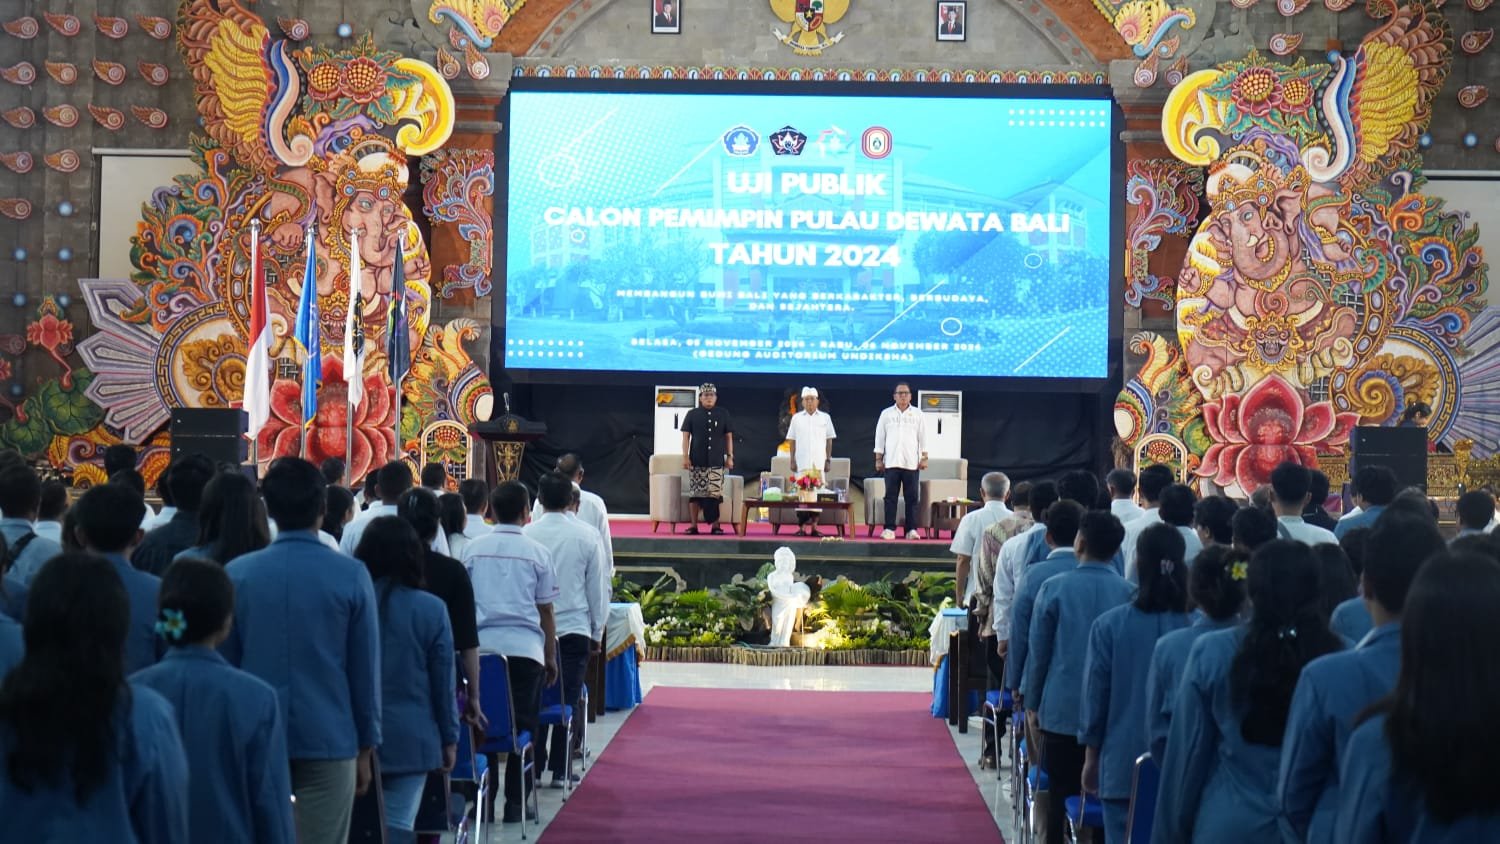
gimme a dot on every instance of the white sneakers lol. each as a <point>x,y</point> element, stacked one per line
<point>888,535</point>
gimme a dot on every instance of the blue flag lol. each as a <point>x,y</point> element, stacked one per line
<point>397,342</point>
<point>307,335</point>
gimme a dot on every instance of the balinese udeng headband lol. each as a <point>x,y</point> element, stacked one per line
<point>809,392</point>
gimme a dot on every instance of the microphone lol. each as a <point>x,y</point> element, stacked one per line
<point>505,397</point>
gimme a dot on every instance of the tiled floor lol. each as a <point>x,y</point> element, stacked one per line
<point>702,675</point>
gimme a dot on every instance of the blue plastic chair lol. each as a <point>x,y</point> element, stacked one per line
<point>996,704</point>
<point>502,737</point>
<point>1083,813</point>
<point>556,713</point>
<point>469,767</point>
<point>1035,783</point>
<point>1144,787</point>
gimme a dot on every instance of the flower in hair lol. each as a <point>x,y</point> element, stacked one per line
<point>171,625</point>
<point>1240,570</point>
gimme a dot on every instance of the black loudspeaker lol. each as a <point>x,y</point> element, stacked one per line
<point>1402,450</point>
<point>216,433</point>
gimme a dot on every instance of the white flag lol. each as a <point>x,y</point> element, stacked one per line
<point>257,403</point>
<point>354,330</point>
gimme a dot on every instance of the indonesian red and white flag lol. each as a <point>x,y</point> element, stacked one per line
<point>354,330</point>
<point>257,402</point>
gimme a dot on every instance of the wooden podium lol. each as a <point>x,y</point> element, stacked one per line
<point>507,436</point>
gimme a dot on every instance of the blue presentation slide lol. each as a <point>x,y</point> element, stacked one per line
<point>832,234</point>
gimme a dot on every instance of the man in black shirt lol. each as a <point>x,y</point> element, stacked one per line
<point>707,450</point>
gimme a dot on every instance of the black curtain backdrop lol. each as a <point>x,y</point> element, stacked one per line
<point>1025,435</point>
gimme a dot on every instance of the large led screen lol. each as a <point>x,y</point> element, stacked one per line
<point>838,230</point>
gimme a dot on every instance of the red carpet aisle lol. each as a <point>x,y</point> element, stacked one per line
<point>722,765</point>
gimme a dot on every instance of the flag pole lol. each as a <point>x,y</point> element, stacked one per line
<point>312,228</point>
<point>353,318</point>
<point>254,252</point>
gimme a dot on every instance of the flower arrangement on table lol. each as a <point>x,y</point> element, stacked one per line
<point>808,483</point>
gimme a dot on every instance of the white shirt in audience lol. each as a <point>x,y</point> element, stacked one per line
<point>1007,577</point>
<point>153,519</point>
<point>512,574</point>
<point>457,542</point>
<point>970,531</point>
<point>592,512</point>
<point>1125,510</point>
<point>356,529</point>
<point>1133,530</point>
<point>582,606</point>
<point>323,536</point>
<point>475,527</point>
<point>1293,527</point>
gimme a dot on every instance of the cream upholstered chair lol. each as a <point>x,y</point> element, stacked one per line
<point>669,499</point>
<point>837,477</point>
<point>944,477</point>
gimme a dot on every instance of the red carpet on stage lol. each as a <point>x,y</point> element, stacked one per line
<point>641,529</point>
<point>725,765</point>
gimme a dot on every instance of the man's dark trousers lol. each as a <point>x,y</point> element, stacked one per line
<point>574,668</point>
<point>899,482</point>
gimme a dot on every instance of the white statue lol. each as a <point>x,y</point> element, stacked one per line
<point>787,596</point>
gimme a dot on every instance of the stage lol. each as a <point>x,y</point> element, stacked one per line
<point>707,560</point>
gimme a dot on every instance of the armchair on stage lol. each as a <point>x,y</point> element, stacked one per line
<point>837,477</point>
<point>669,488</point>
<point>944,477</point>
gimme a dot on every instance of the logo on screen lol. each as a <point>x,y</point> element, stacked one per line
<point>741,140</point>
<point>875,142</point>
<point>788,141</point>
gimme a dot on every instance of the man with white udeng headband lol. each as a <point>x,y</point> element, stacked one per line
<point>811,436</point>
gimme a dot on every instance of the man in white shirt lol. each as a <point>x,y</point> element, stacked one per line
<point>811,435</point>
<point>515,587</point>
<point>1009,569</point>
<point>582,606</point>
<point>591,509</point>
<point>994,486</point>
<point>476,496</point>
<point>1291,489</point>
<point>1121,485</point>
<point>1154,479</point>
<point>900,454</point>
<point>393,482</point>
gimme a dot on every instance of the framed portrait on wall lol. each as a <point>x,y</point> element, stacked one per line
<point>666,17</point>
<point>951,18</point>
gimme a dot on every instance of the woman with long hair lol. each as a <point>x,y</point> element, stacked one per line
<point>1335,577</point>
<point>340,511</point>
<point>1119,657</point>
<point>231,520</point>
<point>419,718</point>
<point>1217,592</point>
<point>1421,768</point>
<point>230,720</point>
<point>83,755</point>
<point>1218,779</point>
<point>455,516</point>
